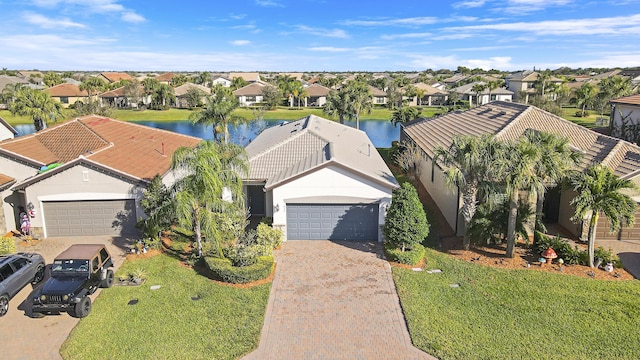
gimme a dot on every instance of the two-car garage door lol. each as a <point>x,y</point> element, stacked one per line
<point>86,218</point>
<point>357,222</point>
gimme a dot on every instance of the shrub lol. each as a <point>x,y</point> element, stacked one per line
<point>268,236</point>
<point>409,256</point>
<point>406,223</point>
<point>573,255</point>
<point>222,269</point>
<point>607,256</point>
<point>7,245</point>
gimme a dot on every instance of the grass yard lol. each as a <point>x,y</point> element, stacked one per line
<point>517,314</point>
<point>588,122</point>
<point>224,323</point>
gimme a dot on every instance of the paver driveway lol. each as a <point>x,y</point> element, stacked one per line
<point>24,337</point>
<point>334,300</point>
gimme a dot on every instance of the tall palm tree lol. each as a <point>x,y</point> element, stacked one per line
<point>36,104</point>
<point>478,88</point>
<point>520,166</point>
<point>599,193</point>
<point>470,162</point>
<point>556,158</point>
<point>287,84</point>
<point>586,94</point>
<point>405,114</point>
<point>203,174</point>
<point>162,96</point>
<point>92,85</point>
<point>218,112</point>
<point>337,104</point>
<point>359,100</point>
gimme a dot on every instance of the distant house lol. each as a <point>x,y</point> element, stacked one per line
<point>317,95</point>
<point>165,78</point>
<point>378,97</point>
<point>455,80</point>
<point>114,98</point>
<point>523,84</point>
<point>111,77</point>
<point>318,179</point>
<point>84,177</point>
<point>68,94</point>
<point>467,93</point>
<point>249,77</point>
<point>625,118</point>
<point>250,94</point>
<point>431,95</point>
<point>221,80</point>
<point>182,91</point>
<point>508,121</point>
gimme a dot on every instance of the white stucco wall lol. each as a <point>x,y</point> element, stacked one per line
<point>327,185</point>
<point>5,133</point>
<point>80,183</point>
<point>445,196</point>
<point>630,113</point>
<point>19,172</point>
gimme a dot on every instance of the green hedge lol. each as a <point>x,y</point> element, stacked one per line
<point>409,256</point>
<point>222,270</point>
<point>7,245</point>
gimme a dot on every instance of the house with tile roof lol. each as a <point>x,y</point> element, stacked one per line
<point>250,94</point>
<point>68,94</point>
<point>184,89</point>
<point>508,121</point>
<point>625,118</point>
<point>485,96</point>
<point>430,95</point>
<point>249,77</point>
<point>317,95</point>
<point>166,78</point>
<point>523,83</point>
<point>319,179</point>
<point>221,80</point>
<point>85,176</point>
<point>112,77</point>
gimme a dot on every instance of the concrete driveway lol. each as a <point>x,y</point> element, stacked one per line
<point>26,337</point>
<point>628,251</point>
<point>334,300</point>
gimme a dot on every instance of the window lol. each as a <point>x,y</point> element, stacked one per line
<point>64,99</point>
<point>19,263</point>
<point>6,271</point>
<point>493,97</point>
<point>379,100</point>
<point>103,255</point>
<point>95,263</point>
<point>250,99</point>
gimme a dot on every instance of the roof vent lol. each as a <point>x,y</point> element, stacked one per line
<point>502,113</point>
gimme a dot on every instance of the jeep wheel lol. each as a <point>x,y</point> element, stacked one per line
<point>4,305</point>
<point>82,308</point>
<point>108,280</point>
<point>39,274</point>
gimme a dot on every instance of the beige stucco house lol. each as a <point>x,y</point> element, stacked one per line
<point>508,121</point>
<point>319,179</point>
<point>625,118</point>
<point>84,176</point>
<point>522,83</point>
<point>68,94</point>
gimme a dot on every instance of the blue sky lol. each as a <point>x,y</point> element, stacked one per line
<point>306,35</point>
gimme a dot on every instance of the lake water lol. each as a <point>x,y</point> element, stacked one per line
<point>381,132</point>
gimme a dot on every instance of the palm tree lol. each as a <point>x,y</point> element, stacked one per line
<point>586,94</point>
<point>521,161</point>
<point>203,174</point>
<point>92,85</point>
<point>470,162</point>
<point>555,159</point>
<point>543,78</point>
<point>36,104</point>
<point>219,112</point>
<point>238,82</point>
<point>405,114</point>
<point>337,104</point>
<point>478,88</point>
<point>599,193</point>
<point>162,96</point>
<point>419,94</point>
<point>287,84</point>
<point>359,100</point>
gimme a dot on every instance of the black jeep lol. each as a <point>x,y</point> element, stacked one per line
<point>75,274</point>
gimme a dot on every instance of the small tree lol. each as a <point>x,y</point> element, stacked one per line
<point>158,205</point>
<point>271,96</point>
<point>406,224</point>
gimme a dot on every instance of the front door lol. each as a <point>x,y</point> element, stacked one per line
<point>256,199</point>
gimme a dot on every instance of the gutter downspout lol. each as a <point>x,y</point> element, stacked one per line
<point>457,209</point>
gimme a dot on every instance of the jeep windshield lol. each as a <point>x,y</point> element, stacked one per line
<point>70,266</point>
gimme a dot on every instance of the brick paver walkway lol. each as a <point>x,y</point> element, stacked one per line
<point>334,301</point>
<point>24,337</point>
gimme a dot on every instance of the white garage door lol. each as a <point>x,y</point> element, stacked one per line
<point>357,222</point>
<point>86,218</point>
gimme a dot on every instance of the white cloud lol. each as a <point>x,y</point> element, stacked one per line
<point>469,4</point>
<point>334,33</point>
<point>528,6</point>
<point>621,25</point>
<point>453,61</point>
<point>328,49</point>
<point>132,17</point>
<point>268,3</point>
<point>94,6</point>
<point>240,42</point>
<point>407,36</point>
<point>47,23</point>
<point>414,21</point>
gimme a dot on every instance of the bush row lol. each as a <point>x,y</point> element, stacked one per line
<point>409,256</point>
<point>573,255</point>
<point>223,270</point>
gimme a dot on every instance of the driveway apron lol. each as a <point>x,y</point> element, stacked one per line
<point>334,300</point>
<point>25,337</point>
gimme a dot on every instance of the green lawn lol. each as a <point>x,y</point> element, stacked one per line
<point>166,323</point>
<point>588,122</point>
<point>517,314</point>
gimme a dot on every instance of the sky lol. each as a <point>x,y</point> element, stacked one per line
<point>322,35</point>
